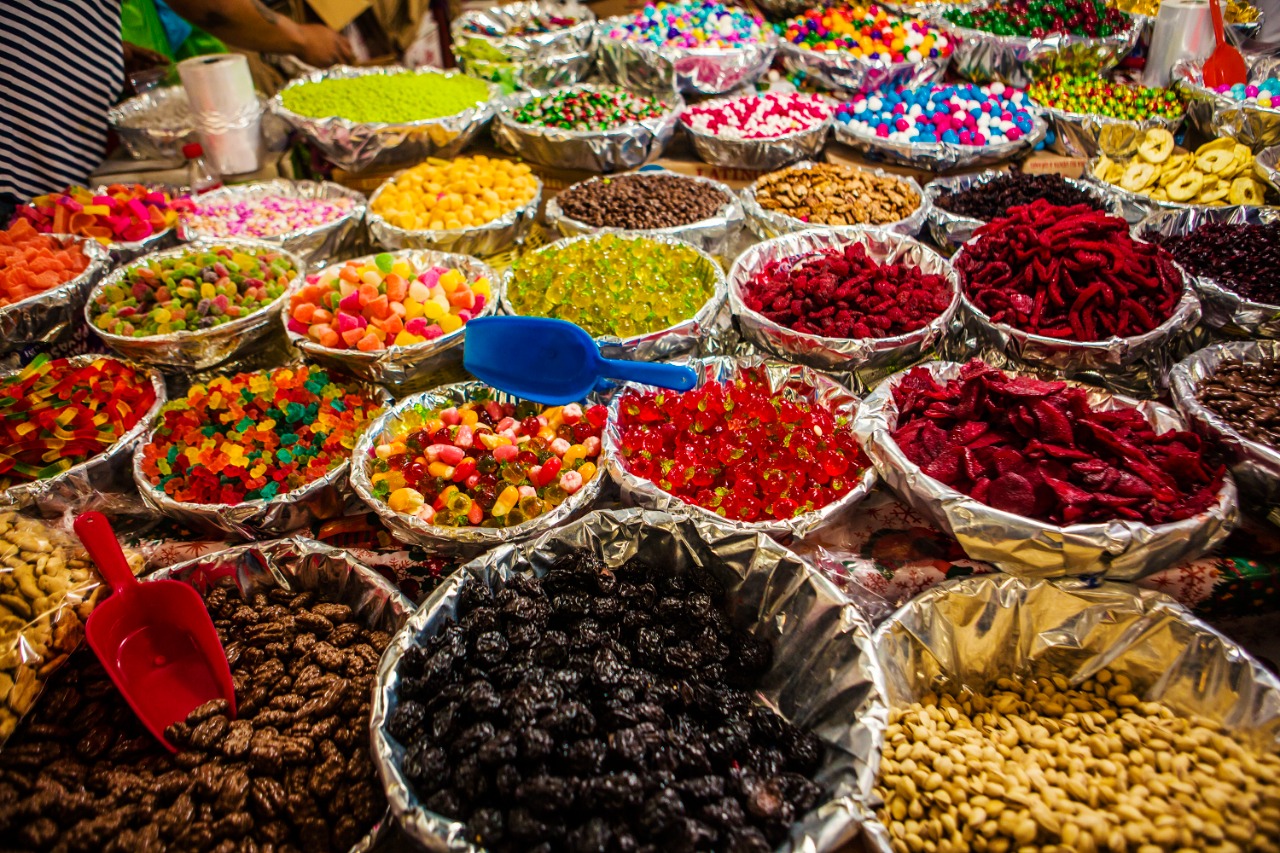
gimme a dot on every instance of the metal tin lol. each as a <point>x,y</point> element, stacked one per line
<point>869,359</point>
<point>1086,135</point>
<point>401,368</point>
<point>469,540</point>
<point>783,378</point>
<point>1255,466</point>
<point>536,61</point>
<point>939,156</point>
<point>1213,115</point>
<point>314,245</point>
<point>361,146</point>
<point>767,224</point>
<point>646,67</point>
<point>664,343</point>
<point>142,136</point>
<point>851,74</point>
<point>767,154</point>
<point>1119,549</point>
<point>823,672</point>
<point>628,146</point>
<point>490,238</point>
<point>48,317</point>
<point>206,347</point>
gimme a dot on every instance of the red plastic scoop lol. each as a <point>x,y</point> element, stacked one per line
<point>154,639</point>
<point>1225,66</point>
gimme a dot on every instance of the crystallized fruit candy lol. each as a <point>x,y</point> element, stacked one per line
<point>254,436</point>
<point>1093,95</point>
<point>741,449</point>
<point>1239,257</point>
<point>118,214</point>
<point>265,217</point>
<point>767,116</point>
<point>386,98</point>
<point>440,195</point>
<point>1217,173</point>
<point>374,305</point>
<point>190,292</point>
<point>485,463</point>
<point>869,32</point>
<point>692,24</point>
<point>54,415</point>
<point>597,108</point>
<point>1041,450</point>
<point>1246,396</point>
<point>601,709</point>
<point>31,263</point>
<point>642,201</point>
<point>994,199</point>
<point>826,194</point>
<point>1092,18</point>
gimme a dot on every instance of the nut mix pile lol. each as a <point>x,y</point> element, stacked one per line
<point>291,772</point>
<point>640,201</point>
<point>601,710</point>
<point>994,199</point>
<point>1239,257</point>
<point>1246,396</point>
<point>1217,173</point>
<point>825,194</point>
<point>1042,451</point>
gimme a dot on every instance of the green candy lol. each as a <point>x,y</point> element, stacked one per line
<point>386,98</point>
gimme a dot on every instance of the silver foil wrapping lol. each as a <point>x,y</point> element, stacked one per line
<point>1214,115</point>
<point>1222,308</point>
<point>1138,206</point>
<point>141,131</point>
<point>358,147</point>
<point>850,74</point>
<point>434,537</point>
<point>1117,550</point>
<point>927,8</point>
<point>982,57</point>
<point>1255,466</point>
<point>939,156</point>
<point>869,359</point>
<point>767,224</point>
<point>823,672</point>
<point>559,69</point>
<point>717,235</point>
<point>536,61</point>
<point>491,238</point>
<point>971,632</point>
<point>628,146</point>
<point>759,154</point>
<point>204,347</point>
<point>787,379</point>
<point>75,487</point>
<point>47,317</point>
<point>401,369</point>
<point>646,67</point>
<point>1085,135</point>
<point>314,245</point>
<point>951,231</point>
<point>664,343</point>
<point>124,252</point>
<point>301,565</point>
<point>1267,166</point>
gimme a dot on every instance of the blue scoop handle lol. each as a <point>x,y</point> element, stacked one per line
<point>677,377</point>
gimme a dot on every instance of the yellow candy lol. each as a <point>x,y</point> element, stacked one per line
<point>453,194</point>
<point>481,287</point>
<point>407,339</point>
<point>406,500</point>
<point>412,308</point>
<point>470,417</point>
<point>432,310</point>
<point>587,470</point>
<point>573,454</point>
<point>450,323</point>
<point>440,469</point>
<point>451,280</point>
<point>506,500</point>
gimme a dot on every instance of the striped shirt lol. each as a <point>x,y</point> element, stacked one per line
<point>61,68</point>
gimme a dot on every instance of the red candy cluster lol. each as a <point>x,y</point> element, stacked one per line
<point>1039,450</point>
<point>845,293</point>
<point>1068,272</point>
<point>741,450</point>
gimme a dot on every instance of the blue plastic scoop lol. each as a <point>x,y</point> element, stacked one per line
<point>553,361</point>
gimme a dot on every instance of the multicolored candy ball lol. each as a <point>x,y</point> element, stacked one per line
<point>696,24</point>
<point>1264,94</point>
<point>965,114</point>
<point>867,32</point>
<point>767,116</point>
<point>1094,95</point>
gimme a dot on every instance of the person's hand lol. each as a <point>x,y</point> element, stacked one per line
<point>320,46</point>
<point>140,58</point>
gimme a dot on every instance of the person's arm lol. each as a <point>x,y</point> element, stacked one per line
<point>250,25</point>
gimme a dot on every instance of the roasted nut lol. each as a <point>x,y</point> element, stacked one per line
<point>826,194</point>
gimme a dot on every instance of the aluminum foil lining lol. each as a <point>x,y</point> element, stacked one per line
<point>869,359</point>
<point>409,367</point>
<point>823,673</point>
<point>47,317</point>
<point>491,238</point>
<point>314,245</point>
<point>1267,166</point>
<point>1222,308</point>
<point>760,154</point>
<point>939,156</point>
<point>468,540</point>
<point>123,253</point>
<point>560,69</point>
<point>77,486</point>
<point>1117,550</point>
<point>300,564</point>
<point>499,21</point>
<point>852,74</point>
<point>972,631</point>
<point>664,343</point>
<point>617,149</point>
<point>646,67</point>
<point>202,348</point>
<point>928,9</point>
<point>1255,466</point>
<point>767,224</point>
<point>140,132</point>
<point>951,230</point>
<point>357,146</point>
<point>1138,206</point>
<point>1086,135</point>
<point>1214,115</point>
<point>984,57</point>
<point>717,235</point>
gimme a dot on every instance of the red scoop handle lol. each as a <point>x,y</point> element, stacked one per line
<point>100,541</point>
<point>1216,15</point>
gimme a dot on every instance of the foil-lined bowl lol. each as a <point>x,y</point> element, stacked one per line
<point>108,472</point>
<point>1119,549</point>
<point>664,343</point>
<point>851,74</point>
<point>1223,308</point>
<point>929,9</point>
<point>786,379</point>
<point>142,135</point>
<point>717,235</point>
<point>823,669</point>
<point>868,359</point>
<point>972,631</point>
<point>1213,115</point>
<point>627,146</point>
<point>1138,206</point>
<point>939,156</point>
<point>1267,166</point>
<point>197,350</point>
<point>767,224</point>
<point>654,70</point>
<point>533,61</point>
<point>1255,466</point>
<point>368,146</point>
<point>403,368</point>
<point>314,245</point>
<point>435,537</point>
<point>123,252</point>
<point>1086,135</point>
<point>48,317</point>
<point>549,72</point>
<point>489,238</point>
<point>765,154</point>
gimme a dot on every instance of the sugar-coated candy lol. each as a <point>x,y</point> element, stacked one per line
<point>868,32</point>
<point>386,98</point>
<point>267,216</point>
<point>1098,96</point>
<point>590,109</point>
<point>440,195</point>
<point>1265,93</point>
<point>31,263</point>
<point>692,24</point>
<point>765,116</point>
<point>963,114</point>
<point>1039,18</point>
<point>118,214</point>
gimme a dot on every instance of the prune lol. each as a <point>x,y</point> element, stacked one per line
<point>594,836</point>
<point>407,720</point>
<point>584,757</point>
<point>490,648</point>
<point>504,748</point>
<point>482,698</point>
<point>536,744</point>
<point>613,792</point>
<point>470,739</point>
<point>701,789</point>
<point>486,826</point>
<point>688,835</point>
<point>661,811</point>
<point>725,813</point>
<point>747,840</point>
<point>546,794</point>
